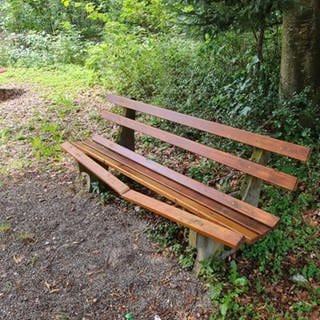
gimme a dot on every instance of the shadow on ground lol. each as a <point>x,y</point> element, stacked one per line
<point>9,94</point>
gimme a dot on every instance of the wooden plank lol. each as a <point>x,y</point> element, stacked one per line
<point>256,140</point>
<point>209,229</point>
<point>254,169</point>
<point>224,199</point>
<point>178,190</point>
<point>96,169</point>
<point>192,201</point>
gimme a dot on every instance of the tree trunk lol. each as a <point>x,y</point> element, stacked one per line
<point>300,59</point>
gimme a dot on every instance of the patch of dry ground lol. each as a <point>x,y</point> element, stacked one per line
<point>67,257</point>
<point>63,255</point>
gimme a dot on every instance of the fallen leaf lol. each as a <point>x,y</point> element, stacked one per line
<point>51,287</point>
<point>17,258</point>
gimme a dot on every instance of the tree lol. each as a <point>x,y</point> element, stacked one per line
<point>300,58</point>
<point>246,15</point>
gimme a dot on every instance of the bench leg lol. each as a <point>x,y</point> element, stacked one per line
<point>205,248</point>
<point>251,188</point>
<point>88,179</point>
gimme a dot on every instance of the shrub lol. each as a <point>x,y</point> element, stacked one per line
<point>35,49</point>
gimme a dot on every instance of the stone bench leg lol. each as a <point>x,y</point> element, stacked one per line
<point>205,248</point>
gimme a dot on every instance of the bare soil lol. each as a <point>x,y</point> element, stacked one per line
<point>63,255</point>
<point>68,257</point>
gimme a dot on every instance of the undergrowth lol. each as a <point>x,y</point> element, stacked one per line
<point>217,79</point>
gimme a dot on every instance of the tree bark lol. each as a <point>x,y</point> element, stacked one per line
<point>300,58</point>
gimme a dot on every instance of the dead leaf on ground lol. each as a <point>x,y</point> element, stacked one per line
<point>51,287</point>
<point>17,258</point>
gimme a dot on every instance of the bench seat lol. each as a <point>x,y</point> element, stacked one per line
<point>208,229</point>
<point>203,201</point>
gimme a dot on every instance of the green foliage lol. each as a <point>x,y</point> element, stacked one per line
<point>105,196</point>
<point>187,258</point>
<point>36,49</point>
<point>293,232</point>
<point>48,143</point>
<point>165,233</point>
<point>152,16</point>
<point>50,17</point>
<point>225,297</point>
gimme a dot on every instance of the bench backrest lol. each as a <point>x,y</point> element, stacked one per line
<point>256,140</point>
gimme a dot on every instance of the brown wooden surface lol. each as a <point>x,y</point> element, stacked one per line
<point>206,228</point>
<point>253,139</point>
<point>221,198</point>
<point>175,192</point>
<point>259,171</point>
<point>228,237</point>
<point>189,199</point>
<point>175,196</point>
<point>96,169</point>
<point>261,227</point>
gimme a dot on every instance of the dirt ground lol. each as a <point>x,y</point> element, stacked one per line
<point>65,256</point>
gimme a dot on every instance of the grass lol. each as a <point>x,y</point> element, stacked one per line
<point>5,227</point>
<point>25,238</point>
<point>32,135</point>
<point>60,83</point>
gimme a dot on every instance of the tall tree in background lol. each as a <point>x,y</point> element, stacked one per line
<point>300,58</point>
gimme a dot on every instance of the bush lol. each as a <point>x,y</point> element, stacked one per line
<point>35,49</point>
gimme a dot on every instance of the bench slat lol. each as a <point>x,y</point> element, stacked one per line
<point>96,169</point>
<point>206,228</point>
<point>256,140</point>
<point>220,197</point>
<point>254,169</point>
<point>193,205</point>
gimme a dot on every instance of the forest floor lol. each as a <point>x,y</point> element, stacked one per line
<point>64,255</point>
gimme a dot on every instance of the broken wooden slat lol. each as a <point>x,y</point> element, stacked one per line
<point>254,169</point>
<point>204,227</point>
<point>256,140</point>
<point>146,175</point>
<point>96,169</point>
<point>209,229</point>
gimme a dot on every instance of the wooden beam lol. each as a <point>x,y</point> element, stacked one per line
<point>96,169</point>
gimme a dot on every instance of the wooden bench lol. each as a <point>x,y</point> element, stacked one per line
<point>215,219</point>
